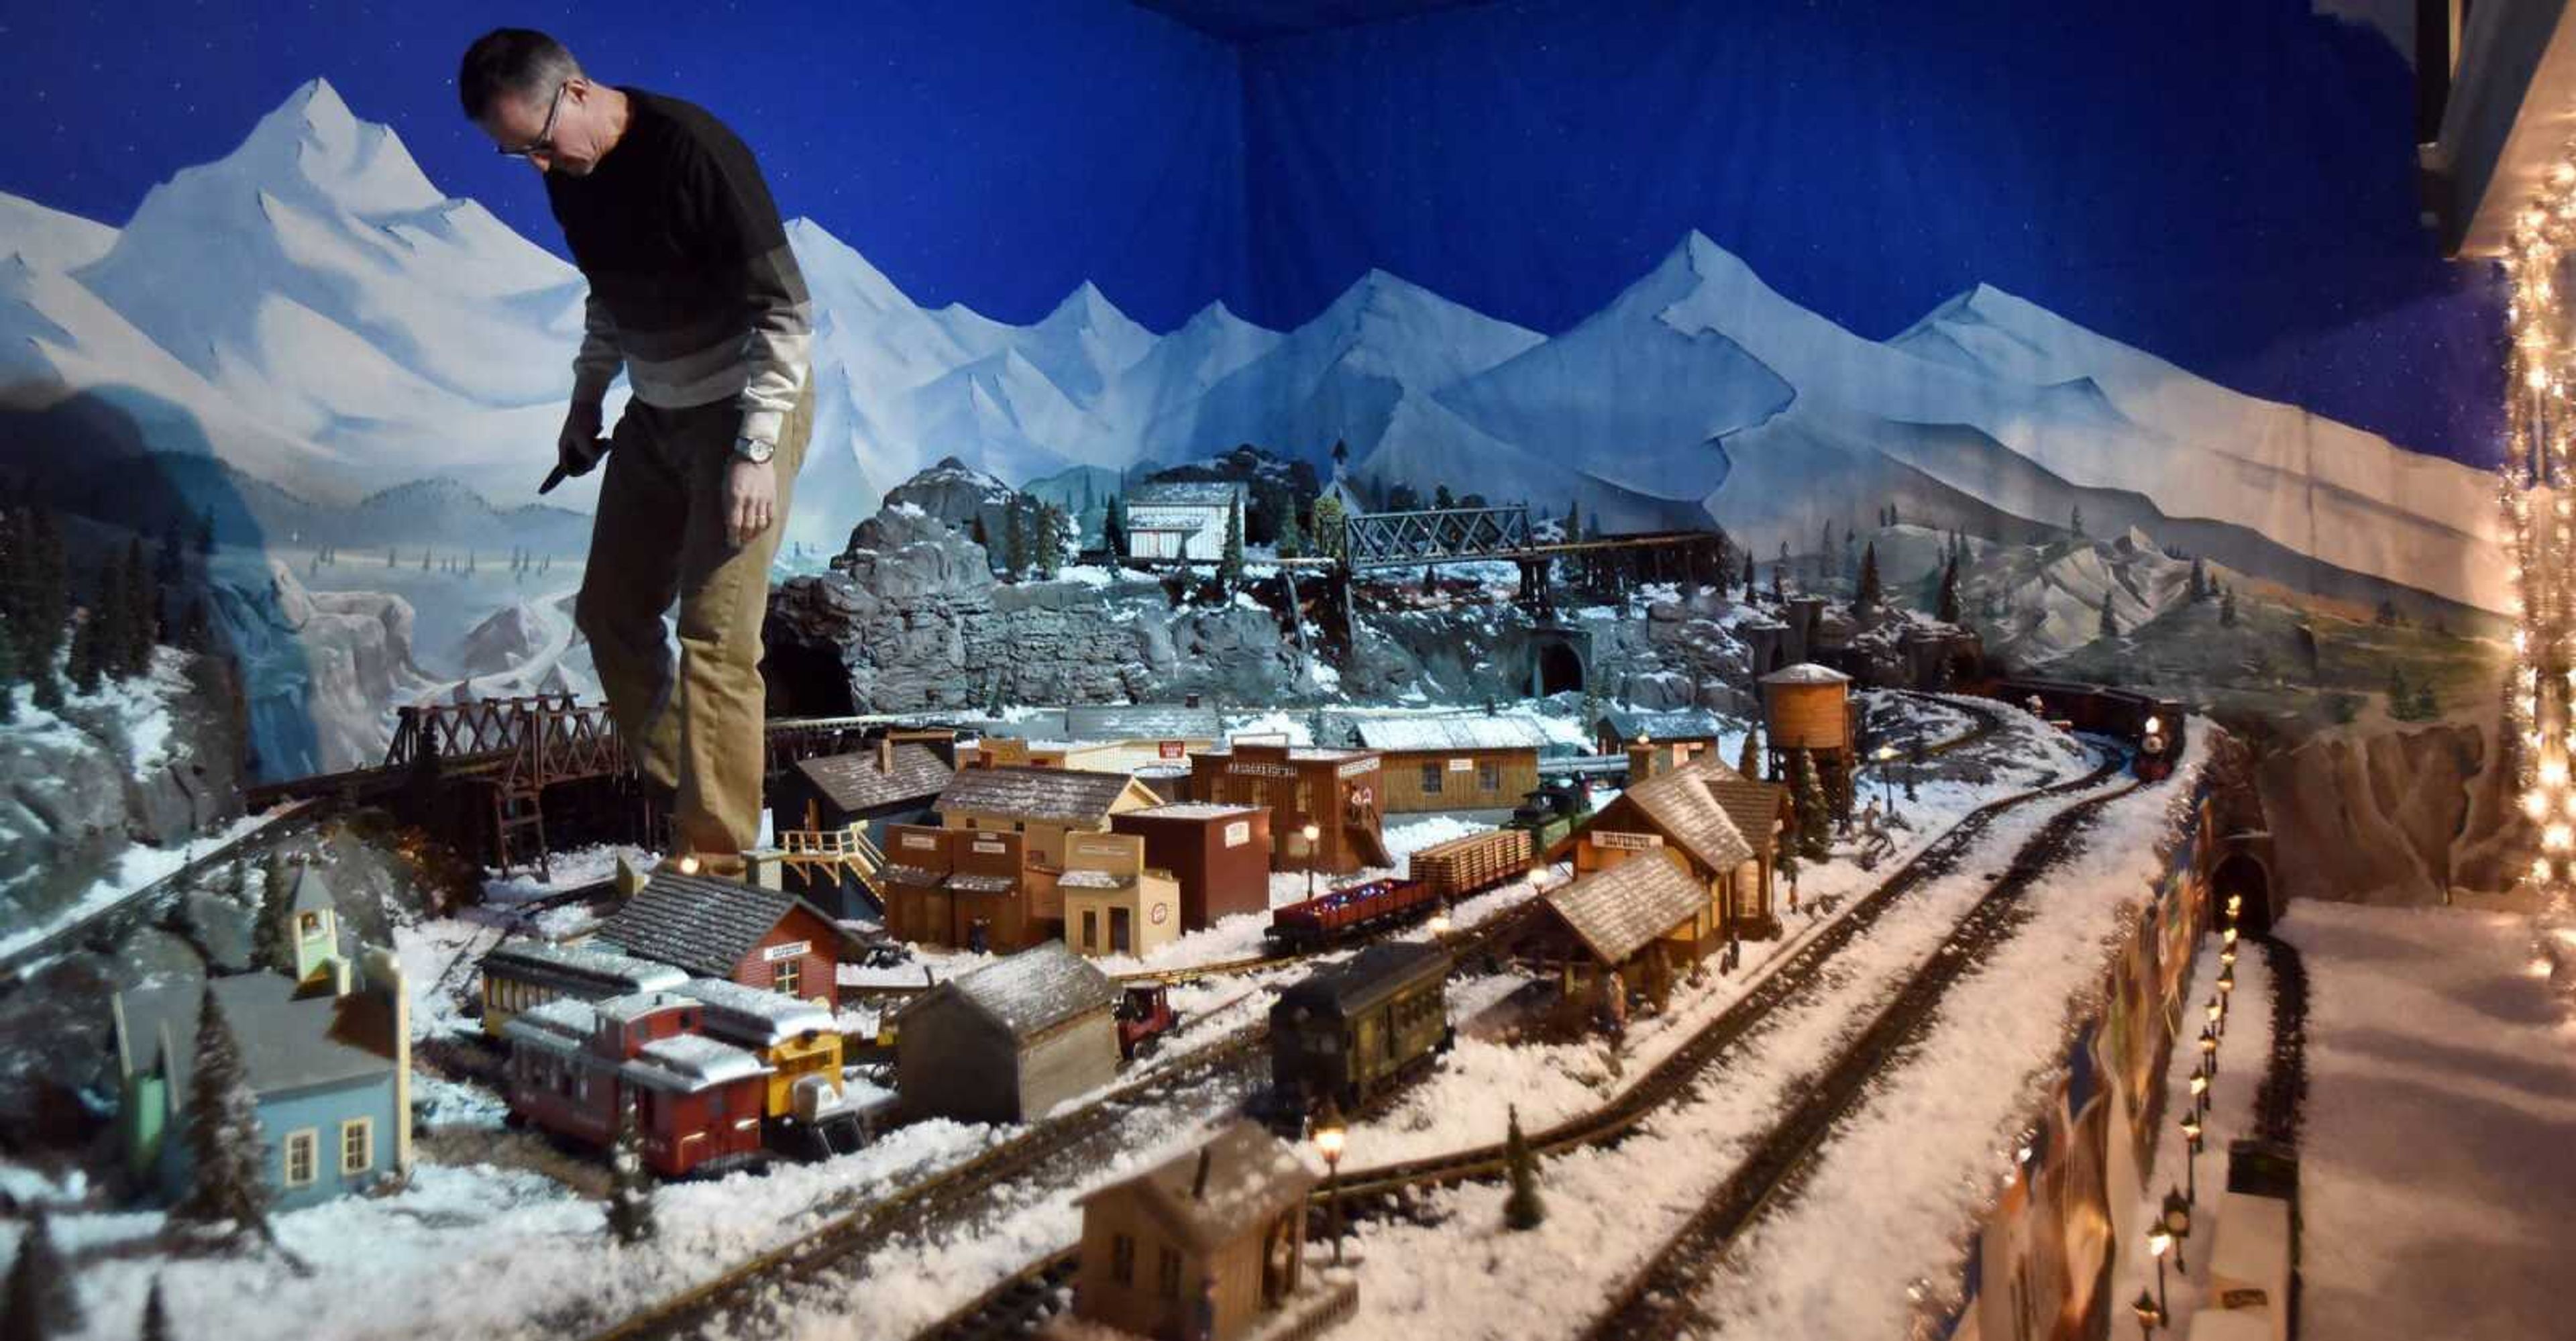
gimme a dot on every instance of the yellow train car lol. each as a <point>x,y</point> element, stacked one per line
<point>798,1040</point>
<point>523,972</point>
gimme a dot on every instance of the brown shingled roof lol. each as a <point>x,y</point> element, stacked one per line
<point>1252,1176</point>
<point>1754,807</point>
<point>1684,804</point>
<point>1620,911</point>
<point>1056,795</point>
<point>854,782</point>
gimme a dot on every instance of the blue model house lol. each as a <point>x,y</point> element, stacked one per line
<point>327,1053</point>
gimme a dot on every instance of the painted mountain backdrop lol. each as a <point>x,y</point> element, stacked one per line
<point>314,315</point>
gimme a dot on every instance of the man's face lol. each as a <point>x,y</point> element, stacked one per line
<point>558,132</point>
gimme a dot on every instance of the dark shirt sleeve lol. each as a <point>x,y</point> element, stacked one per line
<point>741,229</point>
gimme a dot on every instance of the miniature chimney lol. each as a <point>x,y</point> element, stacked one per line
<point>1198,1185</point>
<point>1644,761</point>
<point>885,754</point>
<point>630,879</point>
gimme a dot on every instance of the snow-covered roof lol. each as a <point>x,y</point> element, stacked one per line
<point>563,1025</point>
<point>1201,493</point>
<point>1029,992</point>
<point>689,1063</point>
<point>1190,810</point>
<point>1620,911</point>
<point>528,957</point>
<point>854,782</point>
<point>700,923</point>
<point>1084,879</point>
<point>1683,805</point>
<point>1055,795</point>
<point>1806,672</point>
<point>1466,732</point>
<point>1676,724</point>
<point>1365,978</point>
<point>634,1006</point>
<point>1142,721</point>
<point>1295,754</point>
<point>916,876</point>
<point>967,883</point>
<point>1251,1177</point>
<point>311,894</point>
<point>289,1040</point>
<point>751,1015</point>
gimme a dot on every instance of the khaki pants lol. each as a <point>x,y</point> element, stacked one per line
<point>660,536</point>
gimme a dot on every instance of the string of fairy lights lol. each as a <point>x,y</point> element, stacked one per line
<point>2540,434</point>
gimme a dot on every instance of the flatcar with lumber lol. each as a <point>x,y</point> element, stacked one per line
<point>1442,873</point>
<point>1352,1032</point>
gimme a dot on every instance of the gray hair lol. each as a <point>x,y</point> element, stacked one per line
<point>521,62</point>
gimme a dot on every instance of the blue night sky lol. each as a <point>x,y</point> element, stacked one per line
<point>2226,183</point>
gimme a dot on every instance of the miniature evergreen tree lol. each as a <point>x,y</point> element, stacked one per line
<point>1815,813</point>
<point>86,655</point>
<point>1785,861</point>
<point>1948,608</point>
<point>1015,543</point>
<point>170,561</point>
<point>156,1319</point>
<point>1780,579</point>
<point>2075,522</point>
<point>1113,527</point>
<point>1869,594</point>
<point>1441,498</point>
<point>272,943</point>
<point>196,634</point>
<point>205,532</point>
<point>1292,538</point>
<point>227,1185</point>
<point>142,610</point>
<point>2401,700</point>
<point>9,675</point>
<point>41,1302</point>
<point>630,1187</point>
<point>1749,761</point>
<point>1749,579</point>
<point>1330,524</point>
<point>2199,580</point>
<point>2227,607</point>
<point>1341,455</point>
<point>1522,1209</point>
<point>1229,564</point>
<point>2110,618</point>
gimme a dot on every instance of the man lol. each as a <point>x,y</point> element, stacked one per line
<point>694,293</point>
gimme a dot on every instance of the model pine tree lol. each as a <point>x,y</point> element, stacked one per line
<point>1113,527</point>
<point>1229,564</point>
<point>142,609</point>
<point>1749,762</point>
<point>1815,813</point>
<point>1050,541</point>
<point>1870,593</point>
<point>1947,610</point>
<point>41,1302</point>
<point>2199,580</point>
<point>2227,607</point>
<point>9,675</point>
<point>87,657</point>
<point>156,1319</point>
<point>1292,538</point>
<point>1522,1209</point>
<point>272,945</point>
<point>1749,579</point>
<point>1329,525</point>
<point>630,1187</point>
<point>226,1155</point>
<point>2110,618</point>
<point>1015,544</point>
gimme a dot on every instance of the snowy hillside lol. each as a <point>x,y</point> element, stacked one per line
<point>314,312</point>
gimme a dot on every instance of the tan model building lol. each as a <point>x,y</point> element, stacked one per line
<point>1010,1041</point>
<point>1724,829</point>
<point>1209,1244</point>
<point>1337,791</point>
<point>1463,762</point>
<point>1041,805</point>
<point>1113,903</point>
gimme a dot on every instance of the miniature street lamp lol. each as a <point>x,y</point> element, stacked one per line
<point>2235,905</point>
<point>1311,833</point>
<point>2209,1051</point>
<point>2150,1317</point>
<point>1886,756</point>
<point>2217,1015</point>
<point>1440,919</point>
<point>2200,1092</point>
<point>689,864</point>
<point>2227,956</point>
<point>2227,938</point>
<point>2177,1222</point>
<point>2226,988</point>
<point>2159,1242</point>
<point>1329,1135</point>
<point>2191,1165</point>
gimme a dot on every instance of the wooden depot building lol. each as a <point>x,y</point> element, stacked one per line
<point>1338,791</point>
<point>1219,854</point>
<point>1209,1244</point>
<point>1644,919</point>
<point>1460,762</point>
<point>1009,1041</point>
<point>1720,828</point>
<point>724,929</point>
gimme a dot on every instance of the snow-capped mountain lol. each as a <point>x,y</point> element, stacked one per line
<point>314,312</point>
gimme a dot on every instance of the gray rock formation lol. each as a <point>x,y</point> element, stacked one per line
<point>959,496</point>
<point>509,636</point>
<point>2393,817</point>
<point>323,667</point>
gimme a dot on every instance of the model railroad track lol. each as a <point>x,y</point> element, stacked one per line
<point>925,1205</point>
<point>452,979</point>
<point>126,913</point>
<point>1655,1301</point>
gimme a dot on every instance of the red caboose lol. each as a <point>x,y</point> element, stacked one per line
<point>697,1100</point>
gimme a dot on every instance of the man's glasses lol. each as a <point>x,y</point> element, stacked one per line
<point>545,141</point>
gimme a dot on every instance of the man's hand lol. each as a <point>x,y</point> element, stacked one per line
<point>577,447</point>
<point>750,499</point>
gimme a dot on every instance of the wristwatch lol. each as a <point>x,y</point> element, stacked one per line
<point>754,450</point>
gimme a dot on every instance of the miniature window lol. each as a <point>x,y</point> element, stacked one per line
<point>1431,779</point>
<point>787,977</point>
<point>1305,797</point>
<point>1489,776</point>
<point>1122,1259</point>
<point>300,1155</point>
<point>309,924</point>
<point>1167,1273</point>
<point>357,1145</point>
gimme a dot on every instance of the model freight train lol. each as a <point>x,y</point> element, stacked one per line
<point>1440,874</point>
<point>2149,725</point>
<point>1351,1032</point>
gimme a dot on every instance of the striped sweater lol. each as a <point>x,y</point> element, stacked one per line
<point>693,289</point>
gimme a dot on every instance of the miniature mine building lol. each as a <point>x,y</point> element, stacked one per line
<point>1466,762</point>
<point>1219,854</point>
<point>1113,903</point>
<point>1645,919</point>
<point>1335,790</point>
<point>327,1057</point>
<point>1809,707</point>
<point>830,814</point>
<point>974,889</point>
<point>1182,519</point>
<point>725,929</point>
<point>1010,1041</point>
<point>1724,829</point>
<point>1209,1244</point>
<point>698,1100</point>
<point>1041,805</point>
<point>1693,729</point>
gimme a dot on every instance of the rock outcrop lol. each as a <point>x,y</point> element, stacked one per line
<point>2392,817</point>
<point>322,668</point>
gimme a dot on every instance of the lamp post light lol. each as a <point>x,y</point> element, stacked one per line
<point>1329,1135</point>
<point>2227,957</point>
<point>2209,1051</point>
<point>2235,905</point>
<point>2226,989</point>
<point>2191,1163</point>
<point>2200,1092</point>
<point>2217,1015</point>
<point>2159,1242</point>
<point>1886,755</point>
<point>1440,919</point>
<point>2150,1317</point>
<point>1310,833</point>
<point>2177,1222</point>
